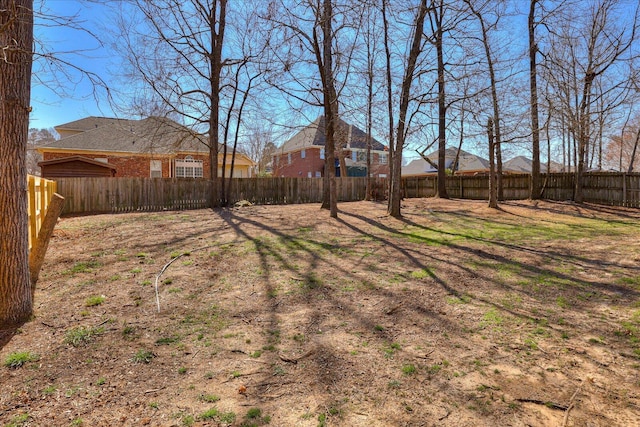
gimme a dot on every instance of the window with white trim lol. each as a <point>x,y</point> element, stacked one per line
<point>383,158</point>
<point>189,168</point>
<point>318,174</point>
<point>362,156</point>
<point>155,168</point>
<point>303,153</point>
<point>322,153</point>
<point>309,174</point>
<point>354,156</point>
<point>289,158</point>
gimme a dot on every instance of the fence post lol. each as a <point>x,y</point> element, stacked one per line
<point>40,244</point>
<point>624,189</point>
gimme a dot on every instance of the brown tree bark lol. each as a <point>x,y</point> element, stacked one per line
<point>493,182</point>
<point>217,21</point>
<point>16,41</point>
<point>416,48</point>
<point>533,88</point>
<point>325,63</point>
<point>437,13</point>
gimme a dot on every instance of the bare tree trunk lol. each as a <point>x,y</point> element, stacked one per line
<point>387,52</point>
<point>217,20</point>
<point>533,86</point>
<point>414,52</point>
<point>633,153</point>
<point>497,138</point>
<point>370,64</point>
<point>493,191</point>
<point>330,105</point>
<point>16,41</point>
<point>437,13</point>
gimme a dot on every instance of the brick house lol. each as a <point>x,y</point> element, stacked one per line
<point>303,155</point>
<point>154,147</point>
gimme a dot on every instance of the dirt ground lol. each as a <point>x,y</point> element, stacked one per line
<point>456,315</point>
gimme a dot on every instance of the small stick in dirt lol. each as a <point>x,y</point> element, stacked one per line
<point>445,415</point>
<point>571,405</point>
<point>154,390</point>
<point>548,404</point>
<point>50,326</point>
<point>393,309</point>
<point>297,359</point>
<point>167,266</point>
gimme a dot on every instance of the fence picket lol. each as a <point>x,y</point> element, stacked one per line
<point>103,195</point>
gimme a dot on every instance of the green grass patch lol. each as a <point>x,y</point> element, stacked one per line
<point>143,356</point>
<point>94,300</point>
<point>82,335</point>
<point>493,318</point>
<point>83,267</point>
<point>409,369</point>
<point>19,420</point>
<point>20,358</point>
<point>421,274</point>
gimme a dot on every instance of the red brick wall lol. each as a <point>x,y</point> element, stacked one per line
<point>299,167</point>
<point>312,162</point>
<point>132,166</point>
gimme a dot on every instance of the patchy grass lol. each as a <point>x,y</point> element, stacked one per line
<point>82,335</point>
<point>447,315</point>
<point>20,358</point>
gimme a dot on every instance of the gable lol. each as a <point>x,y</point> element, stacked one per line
<point>314,135</point>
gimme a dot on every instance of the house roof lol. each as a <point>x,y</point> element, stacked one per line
<point>151,135</point>
<point>314,135</point>
<point>522,164</point>
<point>89,123</point>
<point>467,162</point>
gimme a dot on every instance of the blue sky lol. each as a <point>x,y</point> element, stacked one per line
<point>58,97</point>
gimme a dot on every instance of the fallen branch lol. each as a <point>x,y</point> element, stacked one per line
<point>548,404</point>
<point>571,405</point>
<point>297,359</point>
<point>154,390</point>
<point>167,266</point>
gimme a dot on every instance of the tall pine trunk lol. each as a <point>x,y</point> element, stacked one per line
<point>16,41</point>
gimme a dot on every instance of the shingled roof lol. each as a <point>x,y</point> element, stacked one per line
<point>88,123</point>
<point>151,135</point>
<point>314,135</point>
<point>467,162</point>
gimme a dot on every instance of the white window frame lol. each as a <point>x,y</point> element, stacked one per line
<point>383,158</point>
<point>322,154</point>
<point>318,174</point>
<point>189,168</point>
<point>155,166</point>
<point>288,158</point>
<point>303,153</point>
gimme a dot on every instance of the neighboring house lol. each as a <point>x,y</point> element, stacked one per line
<point>468,164</point>
<point>154,147</point>
<point>522,164</point>
<point>304,154</point>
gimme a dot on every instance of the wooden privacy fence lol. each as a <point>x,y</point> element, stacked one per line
<point>605,188</point>
<point>102,195</point>
<point>96,195</point>
<point>39,194</point>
